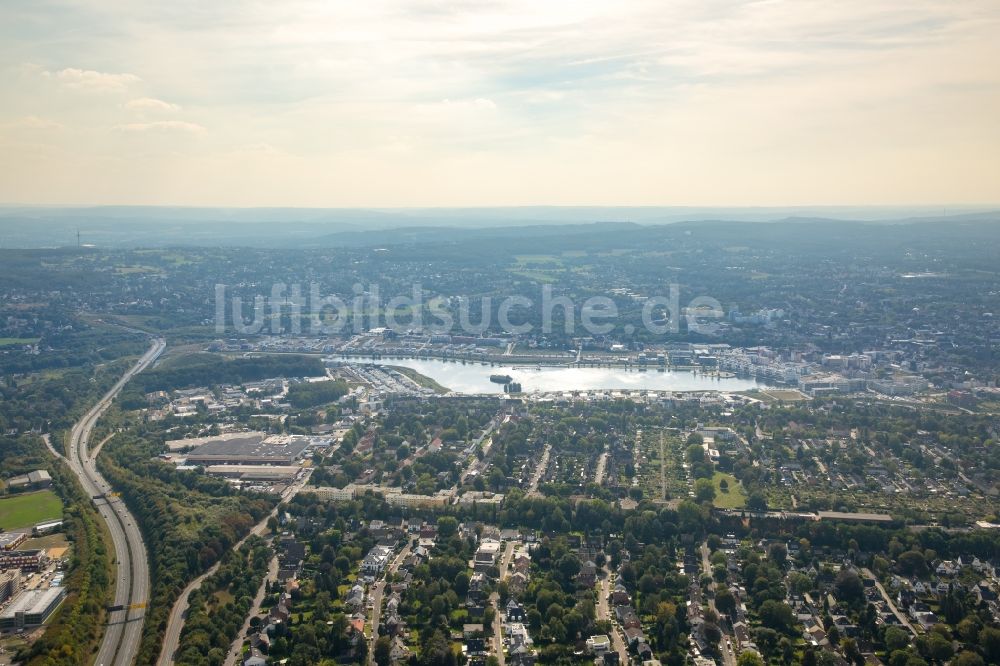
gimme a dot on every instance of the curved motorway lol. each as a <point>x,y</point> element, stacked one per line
<point>124,629</point>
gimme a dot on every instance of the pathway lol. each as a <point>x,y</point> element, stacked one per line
<point>237,647</point>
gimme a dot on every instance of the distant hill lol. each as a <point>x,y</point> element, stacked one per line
<point>164,226</point>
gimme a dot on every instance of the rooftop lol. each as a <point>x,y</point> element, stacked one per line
<point>33,601</point>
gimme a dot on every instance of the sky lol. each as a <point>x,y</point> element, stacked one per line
<point>506,102</point>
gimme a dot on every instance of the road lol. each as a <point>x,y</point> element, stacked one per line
<point>376,596</point>
<point>124,629</point>
<point>505,558</point>
<point>888,602</point>
<point>475,464</point>
<point>726,644</point>
<point>539,471</point>
<point>602,463</point>
<point>604,613</point>
<point>175,624</point>
<point>237,647</point>
<point>663,468</point>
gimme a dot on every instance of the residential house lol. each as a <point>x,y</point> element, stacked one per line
<point>588,574</point>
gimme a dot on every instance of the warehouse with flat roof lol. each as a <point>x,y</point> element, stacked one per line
<point>194,442</point>
<point>31,608</point>
<point>251,449</point>
<point>255,472</point>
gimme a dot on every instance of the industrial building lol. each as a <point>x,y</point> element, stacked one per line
<point>254,472</point>
<point>28,560</point>
<point>38,479</point>
<point>10,584</point>
<point>46,527</point>
<point>250,449</point>
<point>31,608</point>
<point>392,496</point>
<point>189,443</point>
<point>11,540</point>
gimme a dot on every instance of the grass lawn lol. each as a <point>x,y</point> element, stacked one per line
<point>223,597</point>
<point>46,542</point>
<point>421,380</point>
<point>790,395</point>
<point>734,497</point>
<point>29,509</point>
<point>10,342</point>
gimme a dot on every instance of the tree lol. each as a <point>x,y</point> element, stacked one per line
<point>725,601</point>
<point>989,639</point>
<point>939,648</point>
<point>851,651</point>
<point>968,659</point>
<point>968,629</point>
<point>757,501</point>
<point>799,582</point>
<point>383,651</point>
<point>447,526</point>
<point>826,658</point>
<point>712,632</point>
<point>489,615</point>
<point>912,563</point>
<point>704,490</point>
<point>896,639</point>
<point>849,587</point>
<point>777,615</point>
<point>497,479</point>
<point>787,649</point>
<point>749,658</point>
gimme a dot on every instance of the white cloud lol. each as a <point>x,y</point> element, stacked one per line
<point>151,104</point>
<point>510,101</point>
<point>162,126</point>
<point>88,79</point>
<point>33,123</point>
<point>459,105</point>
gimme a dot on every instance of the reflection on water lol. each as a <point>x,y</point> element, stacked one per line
<point>473,377</point>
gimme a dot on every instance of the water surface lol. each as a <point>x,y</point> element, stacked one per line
<point>474,377</point>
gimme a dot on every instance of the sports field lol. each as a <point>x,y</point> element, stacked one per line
<point>19,511</point>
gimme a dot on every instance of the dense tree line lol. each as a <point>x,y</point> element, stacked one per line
<point>53,404</point>
<point>188,521</point>
<point>74,632</point>
<point>212,370</point>
<point>219,607</point>
<point>312,394</point>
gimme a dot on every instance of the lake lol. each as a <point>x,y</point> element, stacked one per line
<point>473,377</point>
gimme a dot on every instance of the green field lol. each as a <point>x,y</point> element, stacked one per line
<point>422,380</point>
<point>10,342</point>
<point>791,395</point>
<point>734,497</point>
<point>29,509</point>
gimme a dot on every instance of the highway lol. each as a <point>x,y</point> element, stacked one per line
<point>124,628</point>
